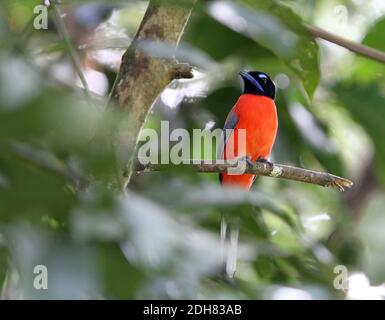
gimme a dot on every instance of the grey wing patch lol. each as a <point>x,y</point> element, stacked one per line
<point>230,124</point>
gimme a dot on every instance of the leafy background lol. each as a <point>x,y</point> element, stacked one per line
<point>58,209</point>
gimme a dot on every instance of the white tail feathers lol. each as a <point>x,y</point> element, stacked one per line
<point>229,244</point>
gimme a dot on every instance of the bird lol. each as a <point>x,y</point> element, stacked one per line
<point>255,112</point>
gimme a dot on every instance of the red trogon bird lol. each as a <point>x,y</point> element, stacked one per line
<point>256,113</point>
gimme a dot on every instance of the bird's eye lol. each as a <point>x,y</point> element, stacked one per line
<point>263,78</point>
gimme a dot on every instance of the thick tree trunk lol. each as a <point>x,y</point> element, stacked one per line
<point>142,77</point>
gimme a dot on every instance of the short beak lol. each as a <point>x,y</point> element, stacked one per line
<point>244,74</point>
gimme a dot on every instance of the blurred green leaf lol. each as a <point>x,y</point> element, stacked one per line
<point>70,267</point>
<point>119,278</point>
<point>370,232</point>
<point>202,29</point>
<point>367,70</point>
<point>30,192</point>
<point>19,12</point>
<point>366,105</point>
<point>3,262</point>
<point>278,29</point>
<point>231,201</point>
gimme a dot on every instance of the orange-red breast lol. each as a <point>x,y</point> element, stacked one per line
<point>255,111</point>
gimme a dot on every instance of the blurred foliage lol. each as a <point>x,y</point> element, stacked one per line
<point>59,206</point>
<point>285,35</point>
<point>366,70</point>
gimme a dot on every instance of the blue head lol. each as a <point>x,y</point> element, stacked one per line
<point>258,83</point>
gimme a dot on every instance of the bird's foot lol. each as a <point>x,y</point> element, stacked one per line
<point>249,162</point>
<point>265,161</point>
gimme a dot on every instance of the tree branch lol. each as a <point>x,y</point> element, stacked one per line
<point>72,53</point>
<point>358,48</point>
<point>260,168</point>
<point>143,77</point>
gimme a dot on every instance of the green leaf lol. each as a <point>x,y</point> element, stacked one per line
<point>366,105</point>
<point>31,192</point>
<point>19,11</point>
<point>3,263</point>
<point>277,28</point>
<point>230,43</point>
<point>231,201</point>
<point>120,279</point>
<point>371,234</point>
<point>367,70</point>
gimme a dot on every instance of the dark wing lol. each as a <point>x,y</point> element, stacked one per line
<point>231,122</point>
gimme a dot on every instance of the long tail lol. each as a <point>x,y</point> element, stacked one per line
<point>229,244</point>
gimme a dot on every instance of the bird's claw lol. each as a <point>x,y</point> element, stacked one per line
<point>249,162</point>
<point>265,161</point>
<point>252,163</point>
